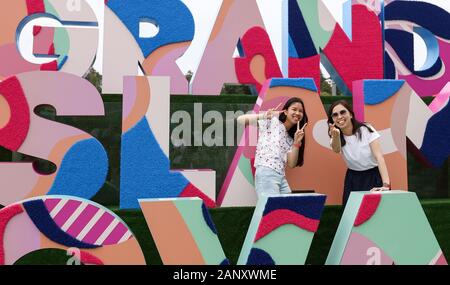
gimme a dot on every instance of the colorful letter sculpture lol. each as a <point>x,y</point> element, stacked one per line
<point>371,49</point>
<point>405,26</point>
<point>64,222</point>
<point>127,48</point>
<point>394,109</point>
<point>145,166</point>
<point>238,187</point>
<point>282,229</point>
<point>183,231</point>
<point>67,40</point>
<point>385,104</point>
<point>383,229</point>
<point>80,159</point>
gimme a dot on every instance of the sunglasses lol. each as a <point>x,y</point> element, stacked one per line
<point>341,112</point>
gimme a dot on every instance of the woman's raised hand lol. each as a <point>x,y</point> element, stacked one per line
<point>334,132</point>
<point>273,112</point>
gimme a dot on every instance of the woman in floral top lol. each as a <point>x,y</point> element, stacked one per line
<point>281,142</point>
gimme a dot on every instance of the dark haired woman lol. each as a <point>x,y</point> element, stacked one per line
<point>281,142</point>
<point>360,147</point>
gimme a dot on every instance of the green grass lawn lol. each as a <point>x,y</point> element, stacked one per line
<point>232,224</point>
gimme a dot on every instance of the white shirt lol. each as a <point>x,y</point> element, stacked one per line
<point>357,152</point>
<point>274,143</point>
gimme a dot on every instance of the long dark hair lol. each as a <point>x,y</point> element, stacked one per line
<point>293,129</point>
<point>355,123</point>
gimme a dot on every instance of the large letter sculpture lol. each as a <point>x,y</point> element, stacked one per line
<point>63,222</point>
<point>238,187</point>
<point>387,228</point>
<point>183,231</point>
<point>80,159</point>
<point>282,229</point>
<point>145,166</point>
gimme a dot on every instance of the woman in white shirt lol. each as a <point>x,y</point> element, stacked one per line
<point>281,142</point>
<point>360,147</point>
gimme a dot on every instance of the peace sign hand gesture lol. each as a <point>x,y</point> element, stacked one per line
<point>300,133</point>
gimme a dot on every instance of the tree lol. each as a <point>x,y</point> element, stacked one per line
<point>95,78</point>
<point>325,86</point>
<point>188,77</point>
<point>236,89</point>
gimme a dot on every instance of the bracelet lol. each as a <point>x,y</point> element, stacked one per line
<point>387,185</point>
<point>297,145</point>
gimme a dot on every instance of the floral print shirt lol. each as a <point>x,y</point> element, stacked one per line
<point>273,145</point>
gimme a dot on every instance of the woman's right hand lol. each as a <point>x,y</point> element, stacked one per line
<point>334,132</point>
<point>272,112</point>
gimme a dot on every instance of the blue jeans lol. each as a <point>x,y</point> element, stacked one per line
<point>268,181</point>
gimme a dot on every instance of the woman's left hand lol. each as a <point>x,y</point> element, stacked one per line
<point>377,189</point>
<point>300,133</point>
